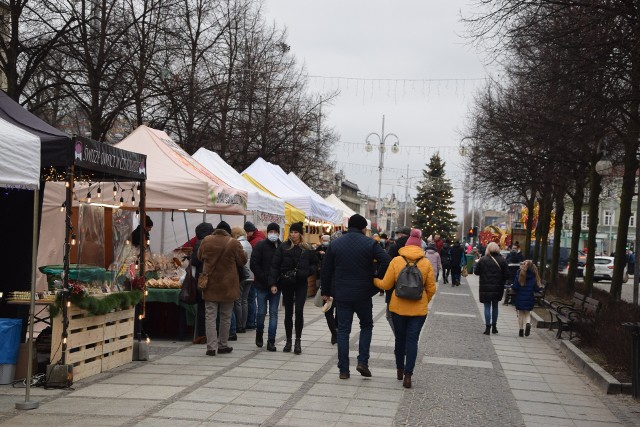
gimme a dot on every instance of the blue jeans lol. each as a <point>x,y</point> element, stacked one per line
<point>252,307</point>
<point>234,324</point>
<point>407,329</point>
<point>455,274</point>
<point>344,312</point>
<point>491,312</point>
<point>265,296</point>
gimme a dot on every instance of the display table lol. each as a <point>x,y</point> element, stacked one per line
<point>95,343</point>
<point>171,296</point>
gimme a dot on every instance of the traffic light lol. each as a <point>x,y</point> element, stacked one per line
<point>475,231</point>
<point>470,233</point>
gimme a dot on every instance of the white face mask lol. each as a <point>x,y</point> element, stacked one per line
<point>325,244</point>
<point>272,237</point>
<point>382,241</point>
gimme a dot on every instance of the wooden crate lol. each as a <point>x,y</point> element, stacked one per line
<point>95,343</point>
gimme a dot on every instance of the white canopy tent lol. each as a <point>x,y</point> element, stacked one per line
<point>273,178</point>
<point>262,207</point>
<point>298,183</point>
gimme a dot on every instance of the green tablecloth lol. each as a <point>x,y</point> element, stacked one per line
<point>171,296</point>
<point>80,272</point>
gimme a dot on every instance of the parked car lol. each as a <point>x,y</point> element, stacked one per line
<point>603,268</point>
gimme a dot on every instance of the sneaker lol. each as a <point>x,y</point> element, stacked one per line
<point>527,330</point>
<point>233,337</point>
<point>344,375</point>
<point>211,352</point>
<point>225,350</point>
<point>521,333</point>
<point>363,369</point>
<point>271,346</point>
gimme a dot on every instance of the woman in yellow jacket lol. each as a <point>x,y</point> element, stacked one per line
<point>408,315</point>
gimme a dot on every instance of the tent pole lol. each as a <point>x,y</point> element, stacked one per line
<point>186,226</point>
<point>143,245</point>
<point>27,404</point>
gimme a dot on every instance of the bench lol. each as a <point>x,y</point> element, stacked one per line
<point>582,309</point>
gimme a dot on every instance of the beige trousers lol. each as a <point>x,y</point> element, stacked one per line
<point>217,339</point>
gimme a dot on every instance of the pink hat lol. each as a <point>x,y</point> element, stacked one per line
<point>414,238</point>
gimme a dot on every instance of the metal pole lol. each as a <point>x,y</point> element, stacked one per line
<point>28,404</point>
<point>380,166</point>
<point>636,270</point>
<point>406,197</point>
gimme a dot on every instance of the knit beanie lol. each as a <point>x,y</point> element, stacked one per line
<point>272,227</point>
<point>297,226</point>
<point>249,227</point>
<point>203,230</point>
<point>357,221</point>
<point>415,238</point>
<point>224,226</point>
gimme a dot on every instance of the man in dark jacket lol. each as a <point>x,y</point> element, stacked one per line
<point>347,276</point>
<point>457,253</point>
<point>202,231</point>
<point>254,236</point>
<point>402,235</point>
<point>260,264</point>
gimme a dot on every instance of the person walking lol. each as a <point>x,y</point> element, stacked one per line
<point>221,256</point>
<point>445,258</point>
<point>347,276</point>
<point>408,315</point>
<point>254,236</point>
<point>329,315</point>
<point>525,285</point>
<point>493,272</point>
<point>631,262</point>
<point>202,230</point>
<point>261,259</point>
<point>241,306</point>
<point>457,255</point>
<point>402,235</point>
<point>434,258</point>
<point>293,262</point>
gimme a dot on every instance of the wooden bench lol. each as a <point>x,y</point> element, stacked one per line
<point>582,309</point>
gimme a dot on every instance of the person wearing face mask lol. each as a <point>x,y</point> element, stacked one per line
<point>293,263</point>
<point>260,264</point>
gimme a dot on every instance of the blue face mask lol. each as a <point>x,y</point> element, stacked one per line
<point>272,237</point>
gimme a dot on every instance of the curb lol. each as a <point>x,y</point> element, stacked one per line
<point>601,378</point>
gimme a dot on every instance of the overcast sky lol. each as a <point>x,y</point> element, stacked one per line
<point>407,60</point>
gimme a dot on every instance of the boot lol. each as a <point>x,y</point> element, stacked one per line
<point>527,330</point>
<point>271,346</point>
<point>487,330</point>
<point>400,374</point>
<point>406,383</point>
<point>521,333</point>
<point>287,346</point>
<point>296,348</point>
<point>259,341</point>
<point>494,330</point>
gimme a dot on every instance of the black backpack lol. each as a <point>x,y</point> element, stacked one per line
<point>409,284</point>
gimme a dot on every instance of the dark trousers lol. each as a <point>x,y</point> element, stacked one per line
<point>201,330</point>
<point>331,319</point>
<point>344,312</point>
<point>455,274</point>
<point>445,273</point>
<point>290,294</point>
<point>407,330</point>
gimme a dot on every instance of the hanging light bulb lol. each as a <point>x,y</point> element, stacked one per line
<point>127,242</point>
<point>89,197</point>
<point>138,189</point>
<point>73,240</point>
<point>66,184</point>
<point>121,201</point>
<point>115,190</point>
<point>99,192</point>
<point>63,206</point>
<point>137,264</point>
<point>133,201</point>
<point>137,214</point>
<point>148,242</point>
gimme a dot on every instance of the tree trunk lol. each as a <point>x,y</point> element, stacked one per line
<point>557,235</point>
<point>594,204</point>
<point>530,206</point>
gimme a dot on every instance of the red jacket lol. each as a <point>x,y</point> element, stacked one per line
<point>256,237</point>
<point>439,243</point>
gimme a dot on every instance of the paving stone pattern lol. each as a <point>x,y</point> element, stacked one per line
<point>462,377</point>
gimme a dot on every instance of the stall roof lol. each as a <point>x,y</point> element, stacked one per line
<point>337,216</point>
<point>257,200</point>
<point>277,182</point>
<point>176,181</point>
<point>20,161</point>
<point>56,148</point>
<point>347,212</point>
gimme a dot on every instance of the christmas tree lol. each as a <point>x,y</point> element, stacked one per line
<point>434,202</point>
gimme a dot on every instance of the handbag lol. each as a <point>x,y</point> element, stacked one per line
<point>243,273</point>
<point>318,301</point>
<point>203,279</point>
<point>189,287</point>
<point>288,278</point>
<point>464,272</point>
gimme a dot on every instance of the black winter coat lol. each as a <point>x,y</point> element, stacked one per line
<point>457,253</point>
<point>393,249</point>
<point>289,257</point>
<point>492,277</point>
<point>261,260</point>
<point>515,257</point>
<point>445,256</point>
<point>347,267</point>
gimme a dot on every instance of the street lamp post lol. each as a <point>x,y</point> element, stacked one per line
<point>381,148</point>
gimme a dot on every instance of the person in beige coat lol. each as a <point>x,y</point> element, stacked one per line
<point>221,255</point>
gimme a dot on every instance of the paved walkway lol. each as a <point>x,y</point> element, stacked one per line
<point>462,378</point>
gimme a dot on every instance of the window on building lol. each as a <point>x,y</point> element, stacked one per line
<point>608,217</point>
<point>585,220</point>
<point>632,220</point>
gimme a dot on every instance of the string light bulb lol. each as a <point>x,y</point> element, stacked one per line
<point>115,190</point>
<point>137,264</point>
<point>99,192</point>
<point>138,191</point>
<point>137,214</point>
<point>89,197</point>
<point>121,201</point>
<point>63,206</point>
<point>73,240</point>
<point>127,242</point>
<point>133,200</point>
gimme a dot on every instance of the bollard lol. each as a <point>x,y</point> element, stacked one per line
<point>634,328</point>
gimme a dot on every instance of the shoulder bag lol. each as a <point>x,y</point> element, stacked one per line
<point>189,287</point>
<point>203,279</point>
<point>288,278</point>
